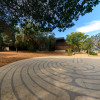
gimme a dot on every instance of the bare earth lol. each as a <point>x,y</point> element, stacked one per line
<point>9,57</point>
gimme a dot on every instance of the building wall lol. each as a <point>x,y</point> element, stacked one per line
<point>63,47</point>
<point>61,44</point>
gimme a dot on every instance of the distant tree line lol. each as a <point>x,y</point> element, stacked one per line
<point>28,37</point>
<point>80,41</point>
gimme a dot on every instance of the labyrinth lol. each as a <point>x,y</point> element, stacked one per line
<point>51,78</point>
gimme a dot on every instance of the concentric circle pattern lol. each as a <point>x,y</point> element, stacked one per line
<point>51,78</point>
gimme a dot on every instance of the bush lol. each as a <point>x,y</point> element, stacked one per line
<point>93,53</point>
<point>69,51</point>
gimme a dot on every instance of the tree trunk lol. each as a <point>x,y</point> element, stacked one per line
<point>88,52</point>
<point>17,50</point>
<point>78,49</point>
<point>8,47</point>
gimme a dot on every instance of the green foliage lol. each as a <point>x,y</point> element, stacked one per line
<point>48,13</point>
<point>30,37</point>
<point>96,40</point>
<point>99,44</point>
<point>37,39</point>
<point>7,40</point>
<point>1,40</point>
<point>69,51</point>
<point>52,41</point>
<point>88,44</point>
<point>92,53</point>
<point>76,39</point>
<point>31,34</point>
<point>28,28</point>
<point>46,41</point>
<point>31,48</point>
<point>19,39</point>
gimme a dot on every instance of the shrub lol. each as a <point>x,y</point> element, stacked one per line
<point>93,53</point>
<point>69,51</point>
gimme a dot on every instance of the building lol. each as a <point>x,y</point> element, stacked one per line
<point>61,45</point>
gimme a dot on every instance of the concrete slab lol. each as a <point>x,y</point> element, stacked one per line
<point>51,78</point>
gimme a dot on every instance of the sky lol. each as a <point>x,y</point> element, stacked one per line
<point>89,24</point>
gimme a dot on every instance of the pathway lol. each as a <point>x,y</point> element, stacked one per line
<point>51,78</point>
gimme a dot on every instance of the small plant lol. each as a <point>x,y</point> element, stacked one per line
<point>93,53</point>
<point>69,51</point>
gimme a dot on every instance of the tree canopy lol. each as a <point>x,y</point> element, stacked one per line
<point>96,40</point>
<point>48,13</point>
<point>88,44</point>
<point>76,39</point>
<point>7,40</point>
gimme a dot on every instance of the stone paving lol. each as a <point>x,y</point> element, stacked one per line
<point>51,78</point>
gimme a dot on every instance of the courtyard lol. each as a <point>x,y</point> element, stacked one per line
<point>51,78</point>
<point>49,50</point>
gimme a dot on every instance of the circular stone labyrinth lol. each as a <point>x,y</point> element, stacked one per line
<point>51,78</point>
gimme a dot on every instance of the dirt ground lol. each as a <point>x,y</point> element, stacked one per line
<point>11,56</point>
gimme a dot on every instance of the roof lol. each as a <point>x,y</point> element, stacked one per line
<point>60,39</point>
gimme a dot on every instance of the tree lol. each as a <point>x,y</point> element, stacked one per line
<point>31,31</point>
<point>76,39</point>
<point>7,40</point>
<point>34,39</point>
<point>1,41</point>
<point>99,44</point>
<point>52,41</point>
<point>96,40</point>
<point>88,45</point>
<point>48,13</point>
<point>19,39</point>
<point>46,41</point>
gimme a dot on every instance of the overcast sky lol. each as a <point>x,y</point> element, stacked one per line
<point>89,24</point>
